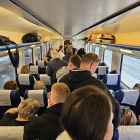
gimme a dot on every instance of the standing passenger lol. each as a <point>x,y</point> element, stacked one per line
<point>46,126</point>
<point>82,77</point>
<point>69,53</point>
<point>61,54</point>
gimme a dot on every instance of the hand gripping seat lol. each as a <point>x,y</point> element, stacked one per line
<point>46,79</point>
<point>25,81</point>
<point>42,64</point>
<point>40,96</point>
<point>96,75</point>
<point>112,81</point>
<point>8,99</point>
<point>35,70</point>
<point>101,71</point>
<point>130,98</point>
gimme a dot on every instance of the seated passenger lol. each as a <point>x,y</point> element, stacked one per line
<point>128,117</point>
<point>19,116</point>
<point>10,85</point>
<point>114,72</point>
<point>74,51</point>
<point>31,64</point>
<point>54,65</point>
<point>82,77</point>
<point>136,86</point>
<point>25,70</point>
<point>87,115</point>
<point>39,85</point>
<point>46,126</point>
<point>103,64</point>
<point>61,54</point>
<point>69,53</point>
<point>81,52</point>
<point>74,62</point>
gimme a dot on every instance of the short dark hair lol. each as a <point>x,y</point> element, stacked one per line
<point>10,85</point>
<point>114,72</point>
<point>86,114</point>
<point>89,58</point>
<point>75,60</point>
<point>31,64</point>
<point>103,64</point>
<point>81,52</point>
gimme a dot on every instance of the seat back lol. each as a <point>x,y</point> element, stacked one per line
<point>96,75</point>
<point>8,99</point>
<point>35,70</point>
<point>112,81</point>
<point>129,132</point>
<point>101,71</point>
<point>40,96</point>
<point>46,79</point>
<point>130,98</point>
<point>25,81</point>
<point>42,64</point>
<point>11,132</point>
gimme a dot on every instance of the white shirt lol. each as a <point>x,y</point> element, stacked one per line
<point>61,55</point>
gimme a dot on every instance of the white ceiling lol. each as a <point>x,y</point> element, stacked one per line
<point>69,17</point>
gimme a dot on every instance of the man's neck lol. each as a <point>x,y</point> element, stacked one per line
<point>21,119</point>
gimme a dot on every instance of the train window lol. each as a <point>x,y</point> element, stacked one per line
<point>90,48</point>
<point>130,71</point>
<point>108,58</point>
<point>28,56</point>
<point>39,53</point>
<point>7,71</point>
<point>97,51</point>
<point>86,48</point>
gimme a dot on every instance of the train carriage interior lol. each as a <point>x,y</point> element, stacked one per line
<point>108,28</point>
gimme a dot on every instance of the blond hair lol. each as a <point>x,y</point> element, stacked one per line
<point>61,90</point>
<point>29,109</point>
<point>128,117</point>
<point>25,69</point>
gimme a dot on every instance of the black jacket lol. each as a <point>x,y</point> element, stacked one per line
<point>46,126</point>
<point>80,78</point>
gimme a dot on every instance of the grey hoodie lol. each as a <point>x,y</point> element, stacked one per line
<point>61,72</point>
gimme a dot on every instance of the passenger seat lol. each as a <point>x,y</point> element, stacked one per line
<point>42,64</point>
<point>35,70</point>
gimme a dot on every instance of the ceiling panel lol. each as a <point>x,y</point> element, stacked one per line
<point>69,17</point>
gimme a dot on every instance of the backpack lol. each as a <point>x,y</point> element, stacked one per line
<point>6,41</point>
<point>31,38</point>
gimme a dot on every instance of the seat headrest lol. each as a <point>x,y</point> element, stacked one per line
<point>38,95</point>
<point>129,132</point>
<point>130,97</point>
<point>45,78</point>
<point>112,79</point>
<point>5,97</point>
<point>24,79</point>
<point>102,70</point>
<point>41,64</point>
<point>94,75</point>
<point>34,69</point>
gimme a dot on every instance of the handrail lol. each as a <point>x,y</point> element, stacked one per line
<point>2,47</point>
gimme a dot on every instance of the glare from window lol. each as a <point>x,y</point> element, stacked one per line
<point>28,56</point>
<point>39,53</point>
<point>7,71</point>
<point>108,58</point>
<point>97,51</point>
<point>130,74</point>
<point>90,48</point>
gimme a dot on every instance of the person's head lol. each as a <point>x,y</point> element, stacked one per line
<point>74,51</point>
<point>29,109</point>
<point>10,85</point>
<point>58,94</point>
<point>81,52</point>
<point>136,86</point>
<point>85,39</point>
<point>51,49</point>
<point>25,69</point>
<point>103,64</point>
<point>31,64</point>
<point>60,48</point>
<point>90,62</point>
<point>54,54</point>
<point>114,72</point>
<point>69,50</point>
<point>39,85</point>
<point>74,62</point>
<point>128,117</point>
<point>70,45</point>
<point>87,114</point>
